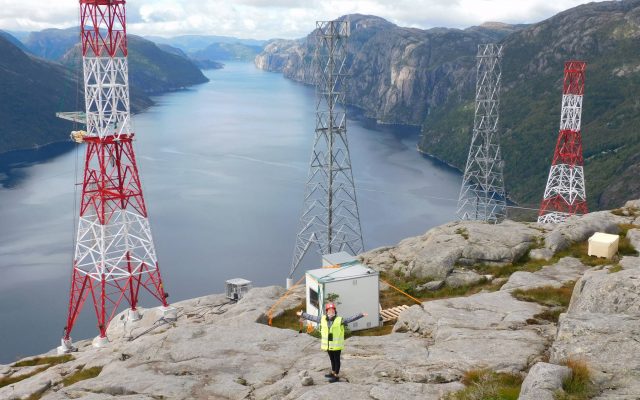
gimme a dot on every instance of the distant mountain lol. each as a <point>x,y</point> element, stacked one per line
<point>427,78</point>
<point>13,40</point>
<point>33,90</point>
<point>52,44</point>
<point>193,43</point>
<point>607,36</point>
<point>227,52</point>
<point>172,50</point>
<point>151,70</point>
<point>202,64</point>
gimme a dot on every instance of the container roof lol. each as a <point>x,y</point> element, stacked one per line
<point>238,281</point>
<point>338,274</point>
<point>341,257</point>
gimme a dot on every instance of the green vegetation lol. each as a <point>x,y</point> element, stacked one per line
<point>625,248</point>
<point>488,385</point>
<point>532,70</point>
<point>547,296</point>
<point>577,386</point>
<point>11,379</point>
<point>81,375</point>
<point>463,232</point>
<point>44,362</point>
<point>551,315</point>
<point>51,360</point>
<point>391,298</point>
<point>615,268</point>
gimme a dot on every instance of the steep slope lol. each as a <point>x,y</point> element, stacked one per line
<point>13,40</point>
<point>151,70</point>
<point>52,44</point>
<point>399,74</point>
<point>605,35</point>
<point>427,78</point>
<point>33,90</point>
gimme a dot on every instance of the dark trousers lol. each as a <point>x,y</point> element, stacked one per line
<point>334,356</point>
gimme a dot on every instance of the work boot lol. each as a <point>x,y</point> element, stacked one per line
<point>334,379</point>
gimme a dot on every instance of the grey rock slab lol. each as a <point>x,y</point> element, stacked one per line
<point>540,254</point>
<point>435,254</point>
<point>413,391</point>
<point>483,330</point>
<point>608,343</point>
<point>431,285</point>
<point>580,228</point>
<point>634,237</point>
<point>459,278</point>
<point>542,381</point>
<point>566,270</point>
<point>609,293</point>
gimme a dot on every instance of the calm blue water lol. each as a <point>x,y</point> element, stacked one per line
<point>223,168</point>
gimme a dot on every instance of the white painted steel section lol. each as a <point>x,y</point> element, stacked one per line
<point>106,96</point>
<point>571,115</point>
<point>102,249</point>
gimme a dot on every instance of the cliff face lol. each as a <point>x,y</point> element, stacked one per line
<point>427,78</point>
<point>398,74</point>
<point>605,35</point>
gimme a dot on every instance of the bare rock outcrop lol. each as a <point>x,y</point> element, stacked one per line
<point>436,253</point>
<point>601,328</point>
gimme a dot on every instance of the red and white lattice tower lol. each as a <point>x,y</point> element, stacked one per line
<point>565,193</point>
<point>114,254</point>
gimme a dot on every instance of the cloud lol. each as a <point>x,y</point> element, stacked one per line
<point>264,19</point>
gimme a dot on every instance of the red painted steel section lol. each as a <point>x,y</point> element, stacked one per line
<point>569,145</point>
<point>103,28</point>
<point>111,183</point>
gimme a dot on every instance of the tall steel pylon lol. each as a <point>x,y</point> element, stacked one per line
<point>565,192</point>
<point>330,218</point>
<point>482,195</point>
<point>114,252</point>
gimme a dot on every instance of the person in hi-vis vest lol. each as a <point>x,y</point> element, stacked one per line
<point>332,332</point>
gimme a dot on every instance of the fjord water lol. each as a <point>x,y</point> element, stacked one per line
<point>223,167</point>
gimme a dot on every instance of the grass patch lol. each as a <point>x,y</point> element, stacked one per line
<point>10,380</point>
<point>580,251</point>
<point>551,315</point>
<point>625,248</point>
<point>463,232</point>
<point>615,268</point>
<point>577,386</point>
<point>379,331</point>
<point>289,319</point>
<point>547,295</point>
<point>52,360</point>
<point>488,385</point>
<point>81,375</point>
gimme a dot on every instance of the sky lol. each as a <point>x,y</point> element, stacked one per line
<point>288,19</point>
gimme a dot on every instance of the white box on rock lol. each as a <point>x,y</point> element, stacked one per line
<point>603,245</point>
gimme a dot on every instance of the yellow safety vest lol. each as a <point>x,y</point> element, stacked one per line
<point>337,331</point>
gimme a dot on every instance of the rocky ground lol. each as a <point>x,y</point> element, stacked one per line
<point>221,350</point>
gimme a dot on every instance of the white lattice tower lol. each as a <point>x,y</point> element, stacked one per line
<point>482,195</point>
<point>565,193</point>
<point>330,220</point>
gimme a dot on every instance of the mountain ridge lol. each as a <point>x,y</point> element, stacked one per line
<point>427,78</point>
